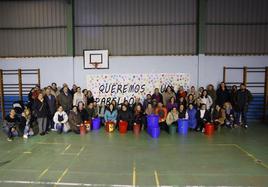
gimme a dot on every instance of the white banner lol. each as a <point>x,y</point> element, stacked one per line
<point>120,87</point>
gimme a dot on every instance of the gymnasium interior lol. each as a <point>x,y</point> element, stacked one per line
<point>121,50</point>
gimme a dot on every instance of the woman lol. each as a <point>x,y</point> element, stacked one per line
<point>26,123</point>
<point>172,116</point>
<point>167,95</point>
<point>183,114</point>
<point>206,99</point>
<point>171,104</point>
<point>223,94</point>
<point>60,119</point>
<point>75,120</point>
<point>82,111</point>
<point>191,100</point>
<point>91,111</point>
<point>157,96</point>
<point>90,98</point>
<point>125,115</point>
<point>40,110</point>
<point>110,114</point>
<point>181,92</point>
<point>149,110</point>
<point>218,116</point>
<point>139,117</point>
<point>78,96</point>
<point>229,114</point>
<point>203,116</point>
<point>182,101</point>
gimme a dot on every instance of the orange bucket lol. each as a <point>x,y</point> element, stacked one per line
<point>123,127</point>
<point>88,125</point>
<point>136,129</point>
<point>109,126</point>
<point>82,129</point>
<point>209,129</point>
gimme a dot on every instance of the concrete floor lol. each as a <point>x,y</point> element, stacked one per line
<point>231,157</point>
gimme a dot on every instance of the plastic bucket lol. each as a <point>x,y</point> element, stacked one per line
<point>183,125</point>
<point>109,126</point>
<point>172,129</point>
<point>82,129</point>
<point>154,132</point>
<point>96,124</point>
<point>87,123</point>
<point>209,129</point>
<point>136,129</point>
<point>123,127</point>
<point>153,120</point>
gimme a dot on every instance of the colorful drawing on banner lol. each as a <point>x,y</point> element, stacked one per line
<point>120,87</point>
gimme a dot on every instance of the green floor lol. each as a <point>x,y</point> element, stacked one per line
<point>232,157</point>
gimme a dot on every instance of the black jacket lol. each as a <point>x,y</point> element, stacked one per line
<point>222,96</point>
<point>243,98</point>
<point>125,116</point>
<point>40,109</point>
<point>206,117</point>
<point>51,104</point>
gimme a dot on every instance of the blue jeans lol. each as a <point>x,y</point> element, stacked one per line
<point>9,133</point>
<point>27,131</point>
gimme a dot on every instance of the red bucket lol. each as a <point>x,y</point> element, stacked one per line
<point>209,129</point>
<point>82,129</point>
<point>88,125</point>
<point>136,129</point>
<point>123,127</point>
<point>109,126</point>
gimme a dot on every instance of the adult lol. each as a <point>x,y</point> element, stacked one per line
<point>65,99</point>
<point>157,96</point>
<point>52,106</point>
<point>10,125</point>
<point>223,94</point>
<point>75,120</point>
<point>169,92</point>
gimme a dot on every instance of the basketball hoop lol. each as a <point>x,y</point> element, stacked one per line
<point>95,64</point>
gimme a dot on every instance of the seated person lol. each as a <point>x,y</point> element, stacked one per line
<point>218,116</point>
<point>75,120</point>
<point>139,118</point>
<point>26,123</point>
<point>182,112</point>
<point>171,104</point>
<point>91,111</point>
<point>172,117</point>
<point>61,120</point>
<point>82,111</point>
<point>125,115</point>
<point>110,114</point>
<point>229,113</point>
<point>192,116</point>
<point>162,112</point>
<point>10,125</point>
<point>203,116</point>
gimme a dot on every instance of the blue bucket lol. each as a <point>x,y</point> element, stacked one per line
<point>183,125</point>
<point>153,120</point>
<point>96,124</point>
<point>154,132</point>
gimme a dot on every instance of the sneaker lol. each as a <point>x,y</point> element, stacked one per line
<point>203,130</point>
<point>9,139</point>
<point>245,126</point>
<point>25,136</point>
<point>54,130</point>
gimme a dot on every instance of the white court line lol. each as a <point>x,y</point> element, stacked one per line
<point>84,184</point>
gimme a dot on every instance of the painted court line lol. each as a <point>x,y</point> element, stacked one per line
<point>62,175</point>
<point>156,178</point>
<point>68,146</point>
<point>134,175</point>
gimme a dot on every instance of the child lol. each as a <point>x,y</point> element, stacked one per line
<point>74,120</point>
<point>26,123</point>
<point>10,125</point>
<point>203,116</point>
<point>60,119</point>
<point>192,116</point>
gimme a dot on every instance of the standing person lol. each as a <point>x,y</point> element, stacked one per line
<point>181,93</point>
<point>136,103</point>
<point>54,89</point>
<point>191,100</point>
<point>194,92</point>
<point>223,94</point>
<point>212,93</point>
<point>40,110</point>
<point>167,95</point>
<point>203,116</point>
<point>78,96</point>
<point>157,96</point>
<point>52,105</point>
<point>147,101</point>
<point>10,125</point>
<point>60,119</point>
<point>74,120</point>
<point>74,90</point>
<point>90,98</point>
<point>206,99</point>
<point>85,93</point>
<point>243,99</point>
<point>65,100</point>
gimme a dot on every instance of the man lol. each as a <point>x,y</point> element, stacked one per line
<point>243,98</point>
<point>51,102</point>
<point>65,99</point>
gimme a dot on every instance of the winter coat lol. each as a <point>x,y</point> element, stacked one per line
<point>243,98</point>
<point>40,109</point>
<point>65,101</point>
<point>74,120</point>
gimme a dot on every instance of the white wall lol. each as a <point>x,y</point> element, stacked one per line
<point>203,69</point>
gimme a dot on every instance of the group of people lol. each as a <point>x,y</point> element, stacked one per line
<point>64,109</point>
